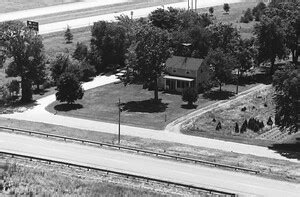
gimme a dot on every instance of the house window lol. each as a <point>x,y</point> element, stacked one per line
<point>187,72</point>
<point>174,71</point>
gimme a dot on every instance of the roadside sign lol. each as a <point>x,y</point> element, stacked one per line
<point>33,25</point>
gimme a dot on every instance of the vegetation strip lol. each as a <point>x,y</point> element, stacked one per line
<point>118,173</point>
<point>132,149</point>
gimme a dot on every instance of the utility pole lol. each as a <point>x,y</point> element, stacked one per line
<point>119,133</point>
<point>188,4</point>
<point>195,5</point>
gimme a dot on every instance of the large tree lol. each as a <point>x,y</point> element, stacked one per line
<point>270,40</point>
<point>287,90</point>
<point>245,53</point>
<point>69,88</point>
<point>147,57</point>
<point>24,49</point>
<point>223,36</point>
<point>221,65</point>
<point>109,43</point>
<point>288,12</point>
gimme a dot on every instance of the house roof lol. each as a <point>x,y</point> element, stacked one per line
<point>184,62</point>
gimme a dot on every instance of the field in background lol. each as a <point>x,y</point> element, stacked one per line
<point>234,16</point>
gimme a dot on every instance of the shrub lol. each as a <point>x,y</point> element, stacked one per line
<point>189,95</point>
<point>69,88</point>
<point>13,87</point>
<point>226,7</point>
<point>258,10</point>
<point>270,121</point>
<point>211,10</point>
<point>68,35</point>
<point>80,52</point>
<point>219,126</point>
<point>247,16</point>
<point>244,109</point>
<point>58,66</point>
<point>236,129</point>
<point>244,127</point>
<point>86,71</point>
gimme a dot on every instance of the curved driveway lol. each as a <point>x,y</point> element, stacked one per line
<point>39,114</point>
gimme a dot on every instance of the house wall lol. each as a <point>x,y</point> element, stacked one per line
<point>202,74</point>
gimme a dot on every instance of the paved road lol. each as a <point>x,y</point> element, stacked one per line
<point>39,114</point>
<point>243,184</point>
<point>17,15</point>
<point>87,21</point>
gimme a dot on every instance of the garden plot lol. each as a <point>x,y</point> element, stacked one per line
<point>258,106</point>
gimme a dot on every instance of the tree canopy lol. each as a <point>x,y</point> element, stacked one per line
<point>24,48</point>
<point>68,88</point>
<point>108,45</point>
<point>147,57</point>
<point>287,90</point>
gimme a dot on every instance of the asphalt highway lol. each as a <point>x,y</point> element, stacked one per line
<point>230,181</point>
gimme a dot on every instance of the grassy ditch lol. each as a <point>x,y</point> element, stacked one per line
<point>277,169</point>
<point>25,178</point>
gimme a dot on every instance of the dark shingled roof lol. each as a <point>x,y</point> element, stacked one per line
<point>184,62</point>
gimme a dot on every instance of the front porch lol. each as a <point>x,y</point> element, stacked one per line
<point>174,83</point>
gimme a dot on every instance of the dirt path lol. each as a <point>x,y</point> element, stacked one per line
<point>175,126</point>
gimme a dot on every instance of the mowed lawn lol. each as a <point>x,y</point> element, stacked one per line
<point>138,109</point>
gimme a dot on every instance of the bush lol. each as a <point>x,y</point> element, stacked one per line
<point>255,125</point>
<point>211,10</point>
<point>13,87</point>
<point>205,86</point>
<point>69,88</point>
<point>247,16</point>
<point>270,121</point>
<point>244,127</point>
<point>236,129</point>
<point>258,11</point>
<point>80,52</point>
<point>226,7</point>
<point>219,126</point>
<point>86,71</point>
<point>68,35</point>
<point>189,95</point>
<point>58,66</point>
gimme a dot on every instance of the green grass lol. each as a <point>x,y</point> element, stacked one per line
<point>101,104</point>
<point>36,179</point>
<point>258,106</point>
<point>234,16</point>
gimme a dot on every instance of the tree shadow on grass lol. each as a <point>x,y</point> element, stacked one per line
<point>291,151</point>
<point>187,106</point>
<point>147,106</point>
<point>67,107</point>
<point>218,95</point>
